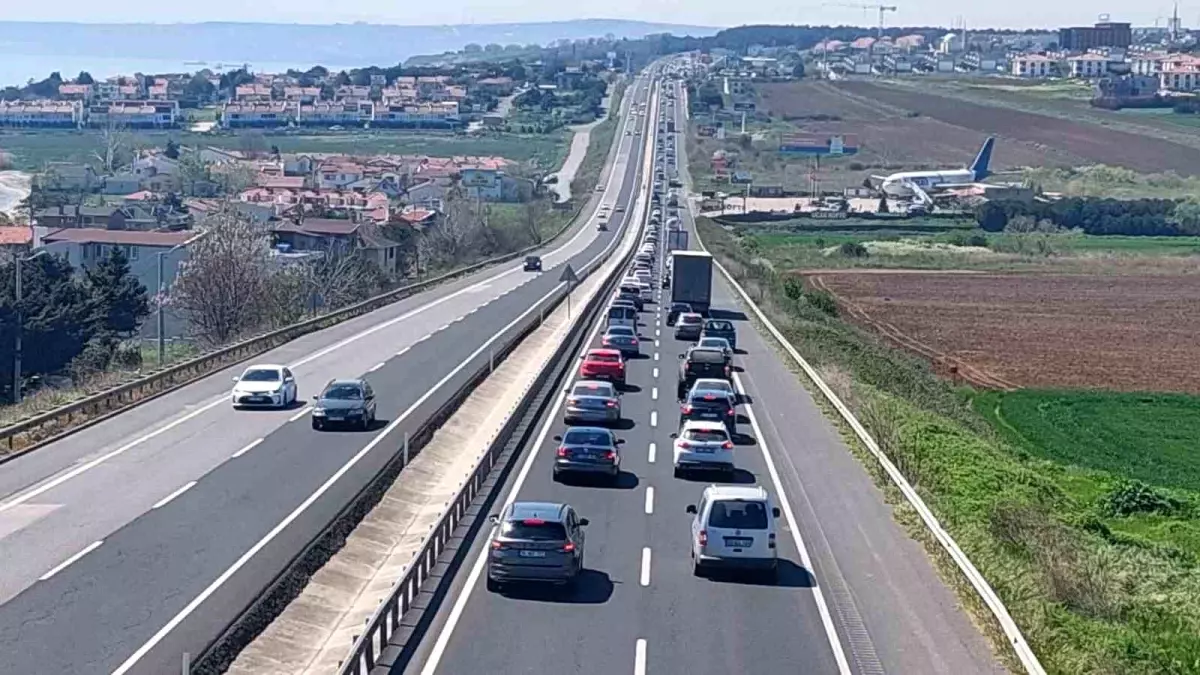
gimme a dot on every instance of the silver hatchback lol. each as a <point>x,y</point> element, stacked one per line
<point>593,401</point>
<point>535,541</point>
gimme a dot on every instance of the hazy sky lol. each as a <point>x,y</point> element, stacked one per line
<point>1015,13</point>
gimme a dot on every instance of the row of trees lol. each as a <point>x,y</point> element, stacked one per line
<point>71,323</point>
<point>1133,217</point>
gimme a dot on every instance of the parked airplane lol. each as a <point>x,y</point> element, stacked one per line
<point>920,183</point>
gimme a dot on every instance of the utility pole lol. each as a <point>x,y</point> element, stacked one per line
<point>18,296</point>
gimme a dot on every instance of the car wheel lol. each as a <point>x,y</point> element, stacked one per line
<point>771,575</point>
<point>678,472</point>
<point>366,422</point>
<point>697,570</point>
<point>493,586</point>
<point>317,425</point>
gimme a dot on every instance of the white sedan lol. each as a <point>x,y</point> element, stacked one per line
<point>703,445</point>
<point>265,386</point>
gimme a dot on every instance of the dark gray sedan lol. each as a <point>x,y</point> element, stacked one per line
<point>623,339</point>
<point>593,401</point>
<point>587,450</point>
<point>345,402</point>
<point>535,541</point>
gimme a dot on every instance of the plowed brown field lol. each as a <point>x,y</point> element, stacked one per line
<point>1126,333</point>
<point>1094,143</point>
<point>890,137</point>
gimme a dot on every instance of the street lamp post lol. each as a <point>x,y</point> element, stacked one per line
<point>18,297</point>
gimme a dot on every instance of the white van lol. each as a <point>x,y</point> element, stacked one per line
<point>734,527</point>
<point>622,316</point>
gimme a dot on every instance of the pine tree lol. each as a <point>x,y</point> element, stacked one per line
<point>118,301</point>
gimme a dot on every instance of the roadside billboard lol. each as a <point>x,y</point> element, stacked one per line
<point>819,144</point>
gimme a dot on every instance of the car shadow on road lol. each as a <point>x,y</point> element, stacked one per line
<point>625,480</point>
<point>790,575</point>
<point>291,407</point>
<point>744,440</point>
<point>640,356</point>
<point>630,388</point>
<point>744,399</point>
<point>623,424</point>
<point>738,477</point>
<point>591,587</point>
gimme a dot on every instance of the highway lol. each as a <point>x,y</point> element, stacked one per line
<point>855,593</point>
<point>120,537</point>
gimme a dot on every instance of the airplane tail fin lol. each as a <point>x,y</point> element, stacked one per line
<point>980,165</point>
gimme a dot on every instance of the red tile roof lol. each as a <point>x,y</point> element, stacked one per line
<point>96,235</point>
<point>14,235</point>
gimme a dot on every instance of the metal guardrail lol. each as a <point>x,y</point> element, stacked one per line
<point>52,425</point>
<point>385,621</point>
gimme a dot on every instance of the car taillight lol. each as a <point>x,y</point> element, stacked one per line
<point>704,537</point>
<point>496,545</point>
<point>771,540</point>
<point>568,547</point>
<point>610,454</point>
<point>572,401</point>
<point>686,408</point>
<point>611,404</point>
<point>633,341</point>
<point>564,452</point>
<point>684,444</point>
<point>731,412</point>
<point>604,340</point>
<point>727,445</point>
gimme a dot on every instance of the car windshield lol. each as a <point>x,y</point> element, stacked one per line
<point>705,436</point>
<point>719,327</point>
<point>604,358</point>
<point>714,343</point>
<point>690,318</point>
<point>596,389</point>
<point>343,392</point>
<point>587,437</point>
<point>534,530</point>
<point>681,307</point>
<point>738,515</point>
<point>261,375</point>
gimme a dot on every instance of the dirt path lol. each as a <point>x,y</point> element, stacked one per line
<point>14,187</point>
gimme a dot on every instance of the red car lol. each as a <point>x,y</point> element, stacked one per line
<point>603,364</point>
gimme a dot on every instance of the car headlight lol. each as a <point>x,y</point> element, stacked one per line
<point>318,412</point>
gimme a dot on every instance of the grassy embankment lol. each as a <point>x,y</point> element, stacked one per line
<point>31,150</point>
<point>1100,572</point>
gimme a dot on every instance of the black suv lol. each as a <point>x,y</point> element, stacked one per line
<point>720,328</point>
<point>348,402</point>
<point>708,406</point>
<point>533,263</point>
<point>700,363</point>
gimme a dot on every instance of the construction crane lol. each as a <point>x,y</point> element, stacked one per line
<point>882,9</point>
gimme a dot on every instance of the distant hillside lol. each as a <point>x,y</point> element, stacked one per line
<point>342,44</point>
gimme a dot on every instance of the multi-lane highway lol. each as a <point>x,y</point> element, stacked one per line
<point>121,536</point>
<point>854,594</point>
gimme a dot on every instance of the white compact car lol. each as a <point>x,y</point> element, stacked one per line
<point>703,445</point>
<point>265,386</point>
<point>733,527</point>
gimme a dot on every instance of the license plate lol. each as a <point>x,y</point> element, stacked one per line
<point>336,418</point>
<point>259,399</point>
<point>706,451</point>
<point>738,543</point>
<point>533,554</point>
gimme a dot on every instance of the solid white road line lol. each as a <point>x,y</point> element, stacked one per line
<point>653,451</point>
<point>167,500</point>
<point>464,596</point>
<point>70,561</point>
<point>653,418</point>
<point>639,657</point>
<point>645,578</point>
<point>248,448</point>
<point>649,500</point>
<point>377,366</point>
<point>404,351</point>
<point>835,642</point>
<point>300,414</point>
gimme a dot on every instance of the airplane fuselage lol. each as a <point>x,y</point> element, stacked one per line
<point>899,184</point>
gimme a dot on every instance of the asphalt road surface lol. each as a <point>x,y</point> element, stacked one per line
<point>108,535</point>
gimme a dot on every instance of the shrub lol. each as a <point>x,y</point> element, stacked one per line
<point>853,249</point>
<point>1131,497</point>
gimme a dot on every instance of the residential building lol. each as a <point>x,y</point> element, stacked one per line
<point>352,93</point>
<point>327,113</point>
<point>302,95</point>
<point>338,173</point>
<point>1107,34</point>
<point>1148,63</point>
<point>253,93</point>
<point>128,217</point>
<point>15,240</point>
<point>435,115</point>
<point>364,205</point>
<point>1034,65</point>
<point>496,86</point>
<point>1089,66</point>
<point>1180,72</point>
<point>492,185</point>
<point>68,177</point>
<point>340,237</point>
<point>75,92</point>
<point>983,62</point>
<point>134,114</point>
<point>41,114</point>
<point>897,63</point>
<point>269,114</point>
<point>736,86</point>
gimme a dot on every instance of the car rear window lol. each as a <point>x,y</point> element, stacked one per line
<point>738,515</point>
<point>709,399</point>
<point>620,313</point>
<point>720,326</point>
<point>689,319</point>
<point>534,530</point>
<point>587,437</point>
<point>591,390</point>
<point>706,356</point>
<point>621,330</point>
<point>705,436</point>
<point>604,358</point>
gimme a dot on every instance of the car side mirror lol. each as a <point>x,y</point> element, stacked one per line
<point>235,378</point>
<point>682,356</point>
<point>674,435</point>
<point>558,438</point>
<point>775,511</point>
<point>691,508</point>
<point>316,397</point>
<point>371,397</point>
<point>620,441</point>
<point>494,518</point>
<point>583,522</point>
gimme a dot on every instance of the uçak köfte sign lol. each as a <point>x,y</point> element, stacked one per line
<point>819,144</point>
